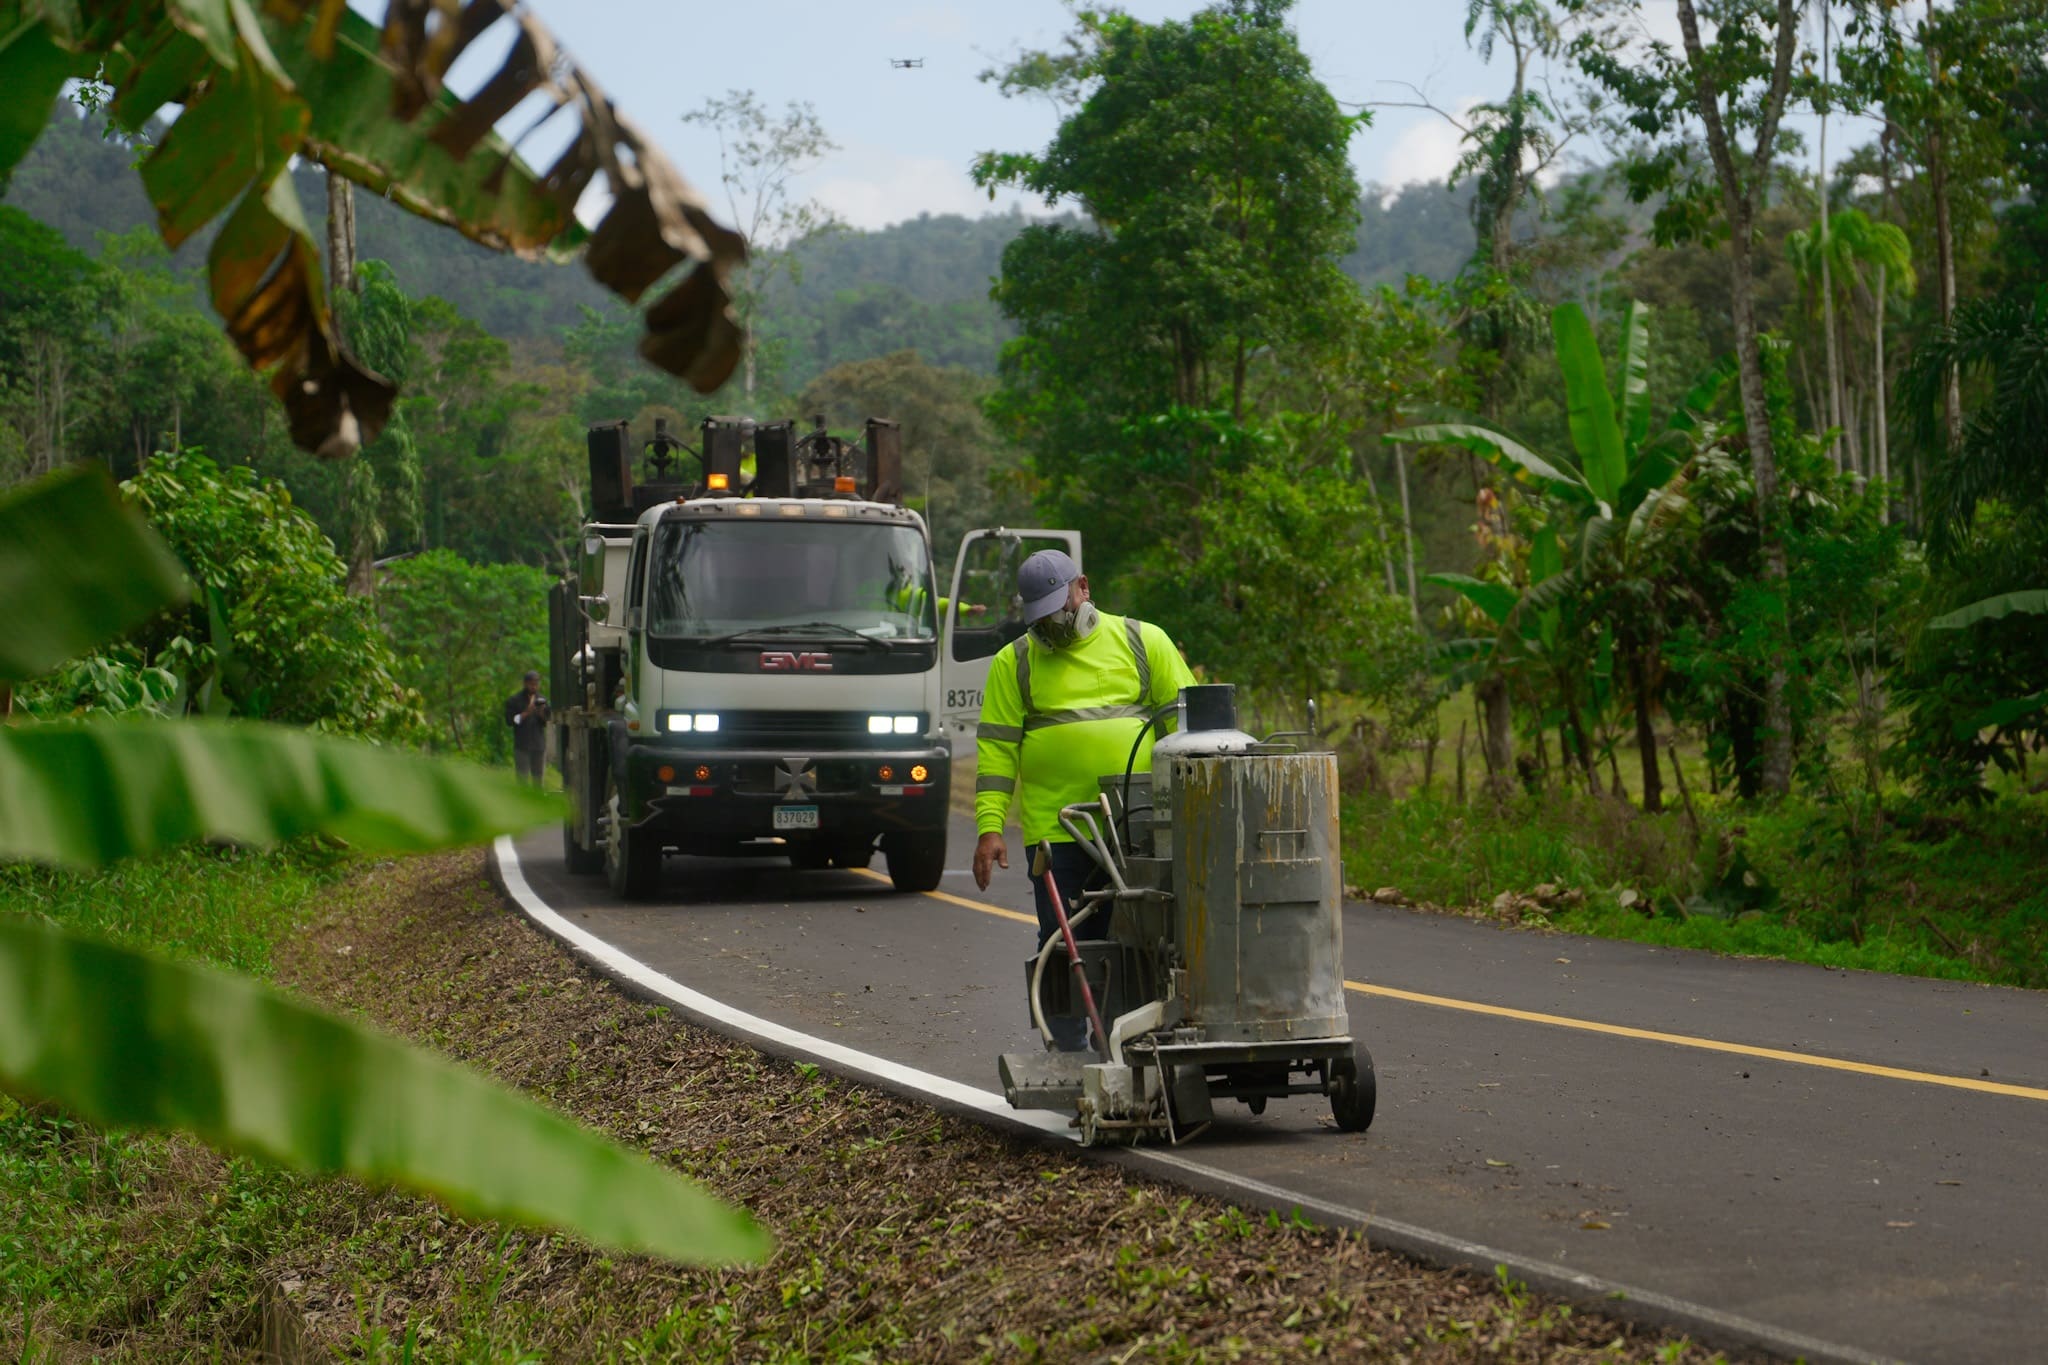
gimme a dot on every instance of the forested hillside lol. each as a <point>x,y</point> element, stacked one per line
<point>920,285</point>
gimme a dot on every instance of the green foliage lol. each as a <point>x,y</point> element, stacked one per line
<point>2002,343</point>
<point>225,905</point>
<point>1961,678</point>
<point>119,576</point>
<point>1993,609</point>
<point>1245,595</point>
<point>88,794</point>
<point>464,634</point>
<point>269,629</point>
<point>1959,898</point>
<point>1211,164</point>
<point>126,1040</point>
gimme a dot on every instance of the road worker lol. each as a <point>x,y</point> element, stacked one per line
<point>1062,706</point>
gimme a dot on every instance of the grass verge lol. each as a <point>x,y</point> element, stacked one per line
<point>1958,894</point>
<point>904,1235</point>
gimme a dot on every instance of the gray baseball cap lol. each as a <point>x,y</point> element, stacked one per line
<point>1042,582</point>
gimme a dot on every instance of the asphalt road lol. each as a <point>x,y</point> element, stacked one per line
<point>1855,1165</point>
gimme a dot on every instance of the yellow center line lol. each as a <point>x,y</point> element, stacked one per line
<point>961,901</point>
<point>1772,1054</point>
<point>1769,1054</point>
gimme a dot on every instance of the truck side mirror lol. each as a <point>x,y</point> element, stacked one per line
<point>597,609</point>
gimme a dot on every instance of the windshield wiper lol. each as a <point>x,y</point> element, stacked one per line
<point>797,628</point>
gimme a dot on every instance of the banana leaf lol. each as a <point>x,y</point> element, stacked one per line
<point>127,1040</point>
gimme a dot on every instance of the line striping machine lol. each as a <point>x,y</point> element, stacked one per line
<point>1207,949</point>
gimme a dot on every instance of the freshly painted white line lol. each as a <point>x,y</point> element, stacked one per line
<point>993,1107</point>
<point>626,968</point>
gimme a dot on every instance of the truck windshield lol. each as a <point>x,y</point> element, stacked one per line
<point>714,578</point>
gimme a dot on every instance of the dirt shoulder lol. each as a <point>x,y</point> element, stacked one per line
<point>903,1234</point>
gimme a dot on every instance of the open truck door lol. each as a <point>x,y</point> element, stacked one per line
<point>983,614</point>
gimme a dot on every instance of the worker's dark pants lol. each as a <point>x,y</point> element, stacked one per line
<point>531,765</point>
<point>1073,870</point>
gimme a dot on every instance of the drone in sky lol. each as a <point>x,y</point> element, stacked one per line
<point>906,63</point>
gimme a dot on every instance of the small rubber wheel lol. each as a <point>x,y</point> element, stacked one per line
<point>632,863</point>
<point>1354,1090</point>
<point>916,861</point>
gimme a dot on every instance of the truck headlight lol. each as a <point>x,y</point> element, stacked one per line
<point>703,722</point>
<point>893,725</point>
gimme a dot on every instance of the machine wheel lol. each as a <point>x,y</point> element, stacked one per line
<point>916,861</point>
<point>632,865</point>
<point>1354,1090</point>
<point>576,857</point>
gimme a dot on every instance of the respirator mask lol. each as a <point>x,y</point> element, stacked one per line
<point>1065,626</point>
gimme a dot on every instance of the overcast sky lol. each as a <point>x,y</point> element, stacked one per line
<point>906,138</point>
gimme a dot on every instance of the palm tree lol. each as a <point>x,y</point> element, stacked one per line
<point>2001,345</point>
<point>1866,264</point>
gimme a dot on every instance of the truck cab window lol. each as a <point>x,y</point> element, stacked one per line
<point>988,580</point>
<point>715,577</point>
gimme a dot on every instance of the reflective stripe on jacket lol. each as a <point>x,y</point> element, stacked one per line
<point>1054,720</point>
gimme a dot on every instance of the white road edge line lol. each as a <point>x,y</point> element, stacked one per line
<point>1613,1297</point>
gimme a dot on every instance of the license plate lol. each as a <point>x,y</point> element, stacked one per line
<point>796,817</point>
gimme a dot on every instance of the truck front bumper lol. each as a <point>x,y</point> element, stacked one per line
<point>704,800</point>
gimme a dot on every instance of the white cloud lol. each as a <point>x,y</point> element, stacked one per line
<point>1426,149</point>
<point>871,187</point>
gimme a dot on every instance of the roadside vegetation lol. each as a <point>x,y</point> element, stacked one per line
<point>902,1234</point>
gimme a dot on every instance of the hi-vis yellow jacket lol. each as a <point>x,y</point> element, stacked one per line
<point>1054,720</point>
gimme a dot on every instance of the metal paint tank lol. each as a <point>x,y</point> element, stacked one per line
<point>1259,893</point>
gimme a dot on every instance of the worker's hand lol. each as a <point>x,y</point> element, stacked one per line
<point>989,853</point>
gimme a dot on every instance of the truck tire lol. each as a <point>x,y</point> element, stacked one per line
<point>586,820</point>
<point>577,858</point>
<point>916,861</point>
<point>632,864</point>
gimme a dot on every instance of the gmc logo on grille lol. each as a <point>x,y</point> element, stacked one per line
<point>782,661</point>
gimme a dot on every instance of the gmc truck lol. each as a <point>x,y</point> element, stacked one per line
<point>752,659</point>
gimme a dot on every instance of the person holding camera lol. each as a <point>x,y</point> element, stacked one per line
<point>526,711</point>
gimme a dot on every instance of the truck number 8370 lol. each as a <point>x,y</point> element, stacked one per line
<point>957,697</point>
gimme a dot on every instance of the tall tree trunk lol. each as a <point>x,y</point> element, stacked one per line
<point>1739,201</point>
<point>1882,420</point>
<point>1945,263</point>
<point>1407,530</point>
<point>1646,733</point>
<point>1496,734</point>
<point>1386,546</point>
<point>341,235</point>
<point>1756,420</point>
<point>1827,283</point>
